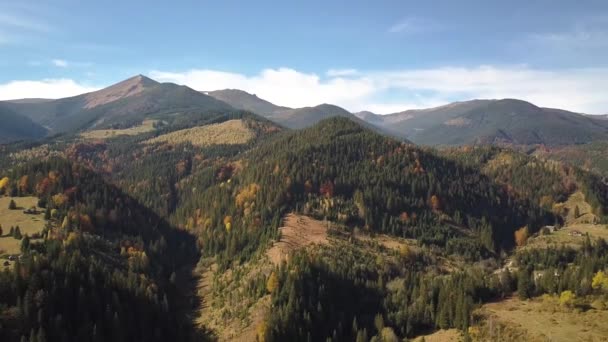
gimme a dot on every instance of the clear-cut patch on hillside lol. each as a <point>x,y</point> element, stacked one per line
<point>297,232</point>
<point>146,126</point>
<point>231,132</point>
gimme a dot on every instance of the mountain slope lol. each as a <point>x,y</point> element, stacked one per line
<point>495,121</point>
<point>242,100</point>
<point>121,104</point>
<point>295,118</point>
<point>18,127</point>
<point>308,116</point>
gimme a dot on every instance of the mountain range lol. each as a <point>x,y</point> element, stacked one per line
<point>155,205</point>
<point>506,121</point>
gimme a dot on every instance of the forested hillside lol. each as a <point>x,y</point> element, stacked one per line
<point>129,216</point>
<point>102,269</point>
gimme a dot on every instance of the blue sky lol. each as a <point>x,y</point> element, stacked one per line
<point>379,55</point>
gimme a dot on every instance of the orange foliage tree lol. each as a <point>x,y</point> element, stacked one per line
<point>435,203</point>
<point>24,184</point>
<point>521,236</point>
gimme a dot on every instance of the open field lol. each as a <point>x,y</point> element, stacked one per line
<point>231,132</point>
<point>146,126</point>
<point>28,224</point>
<point>297,232</point>
<point>541,320</point>
<point>585,211</point>
<point>450,335</point>
<point>568,236</point>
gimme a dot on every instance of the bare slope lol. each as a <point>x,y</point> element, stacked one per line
<point>231,132</point>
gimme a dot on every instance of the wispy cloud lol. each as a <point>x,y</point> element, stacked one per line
<point>579,37</point>
<point>341,72</point>
<point>413,25</point>
<point>63,63</point>
<point>394,90</point>
<point>60,63</point>
<point>20,21</point>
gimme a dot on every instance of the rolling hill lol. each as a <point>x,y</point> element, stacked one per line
<point>388,218</point>
<point>243,100</point>
<point>507,121</point>
<point>294,118</point>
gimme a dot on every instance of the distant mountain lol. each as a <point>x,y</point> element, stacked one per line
<point>120,104</point>
<point>294,118</point>
<point>505,121</point>
<point>29,100</point>
<point>18,127</point>
<point>599,117</point>
<point>308,116</point>
<point>243,100</point>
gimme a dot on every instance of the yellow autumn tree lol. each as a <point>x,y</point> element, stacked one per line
<point>60,199</point>
<point>273,283</point>
<point>4,182</point>
<point>435,203</point>
<point>72,239</point>
<point>228,223</point>
<point>246,194</point>
<point>566,298</point>
<point>600,281</point>
<point>260,331</point>
<point>521,236</point>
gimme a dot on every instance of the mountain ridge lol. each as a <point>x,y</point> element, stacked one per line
<point>478,121</point>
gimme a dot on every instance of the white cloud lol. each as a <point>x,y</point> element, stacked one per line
<point>47,88</point>
<point>282,86</point>
<point>342,72</point>
<point>572,89</point>
<point>61,63</point>
<point>413,25</point>
<point>382,91</point>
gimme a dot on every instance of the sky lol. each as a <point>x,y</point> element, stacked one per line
<point>382,56</point>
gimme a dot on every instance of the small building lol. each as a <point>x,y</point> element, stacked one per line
<point>31,211</point>
<point>551,229</point>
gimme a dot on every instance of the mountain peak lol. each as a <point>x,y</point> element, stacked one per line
<point>129,87</point>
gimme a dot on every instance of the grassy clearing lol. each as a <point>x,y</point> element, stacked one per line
<point>567,236</point>
<point>28,223</point>
<point>450,335</point>
<point>585,212</point>
<point>540,319</point>
<point>297,232</point>
<point>225,307</point>
<point>146,126</point>
<point>231,132</point>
